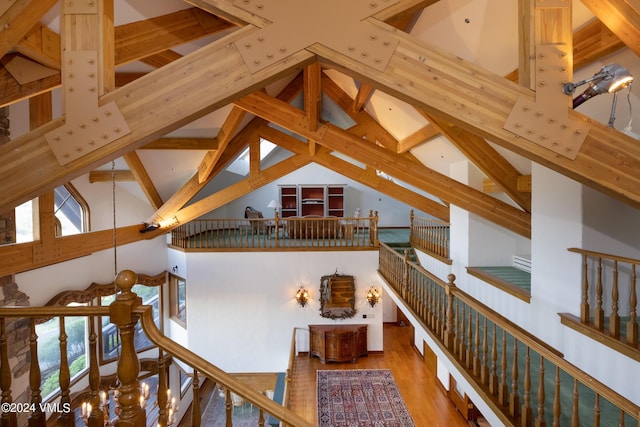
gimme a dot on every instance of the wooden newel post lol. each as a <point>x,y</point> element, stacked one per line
<point>449,332</point>
<point>121,312</point>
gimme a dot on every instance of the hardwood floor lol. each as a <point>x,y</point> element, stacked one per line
<point>426,400</point>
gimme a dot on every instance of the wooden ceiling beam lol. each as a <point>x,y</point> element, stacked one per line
<point>226,132</point>
<point>400,166</point>
<point>160,59</point>
<point>621,17</point>
<point>592,42</point>
<point>12,91</point>
<point>26,256</point>
<point>190,188</point>
<point>361,117</point>
<point>144,180</point>
<point>151,106</point>
<point>42,45</point>
<point>172,143</point>
<point>312,77</point>
<point>487,159</point>
<point>419,137</point>
<point>480,102</point>
<point>238,143</point>
<point>141,39</point>
<point>19,19</point>
<point>366,176</point>
<point>523,184</point>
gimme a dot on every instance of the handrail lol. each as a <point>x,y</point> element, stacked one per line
<point>605,255</point>
<point>291,233</point>
<point>213,372</point>
<point>437,305</point>
<point>290,365</point>
<point>38,312</point>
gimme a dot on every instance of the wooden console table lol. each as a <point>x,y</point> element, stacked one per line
<point>338,343</point>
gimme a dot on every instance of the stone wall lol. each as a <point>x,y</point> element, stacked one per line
<point>17,343</point>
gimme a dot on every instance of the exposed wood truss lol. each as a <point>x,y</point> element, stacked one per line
<point>472,111</point>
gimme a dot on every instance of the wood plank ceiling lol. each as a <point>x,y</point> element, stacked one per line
<point>461,101</point>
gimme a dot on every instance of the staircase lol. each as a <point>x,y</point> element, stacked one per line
<point>523,381</point>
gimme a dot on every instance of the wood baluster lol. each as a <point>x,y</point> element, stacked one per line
<point>575,416</point>
<point>97,416</point>
<point>442,315</point>
<point>405,278</point>
<point>540,421</point>
<point>65,418</point>
<point>37,417</point>
<point>484,373</point>
<point>614,318</point>
<point>584,305</point>
<point>463,333</point>
<point>376,242</point>
<point>429,302</point>
<point>476,347</point>
<point>449,332</point>
<point>439,312</point>
<point>277,228</point>
<point>598,316</point>
<point>557,406</point>
<point>514,400</point>
<point>161,395</point>
<point>229,409</point>
<point>596,411</point>
<point>527,412</point>
<point>463,337</point>
<point>632,325</point>
<point>456,327</point>
<point>121,313</point>
<point>469,354</point>
<point>503,390</point>
<point>7,419</point>
<point>493,377</point>
<point>196,412</point>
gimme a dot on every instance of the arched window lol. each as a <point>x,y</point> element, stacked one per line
<point>71,211</point>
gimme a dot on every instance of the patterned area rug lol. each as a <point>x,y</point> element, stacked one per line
<point>360,398</point>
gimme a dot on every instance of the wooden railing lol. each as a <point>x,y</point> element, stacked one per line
<point>124,312</point>
<point>512,369</point>
<point>293,233</point>
<point>613,279</point>
<point>293,353</point>
<point>430,235</point>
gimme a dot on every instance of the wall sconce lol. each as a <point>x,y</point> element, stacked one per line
<point>373,296</point>
<point>302,296</point>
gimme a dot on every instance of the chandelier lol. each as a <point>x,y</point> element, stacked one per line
<point>110,406</point>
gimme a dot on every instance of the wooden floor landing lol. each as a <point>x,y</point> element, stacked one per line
<point>426,400</point>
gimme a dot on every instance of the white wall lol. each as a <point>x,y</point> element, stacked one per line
<point>241,309</point>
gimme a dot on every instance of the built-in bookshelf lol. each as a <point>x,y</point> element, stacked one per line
<point>320,200</point>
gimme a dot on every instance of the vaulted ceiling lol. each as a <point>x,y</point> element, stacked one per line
<point>136,75</point>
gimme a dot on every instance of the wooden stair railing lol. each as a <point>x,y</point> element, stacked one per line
<point>505,364</point>
<point>124,312</point>
<point>203,366</point>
